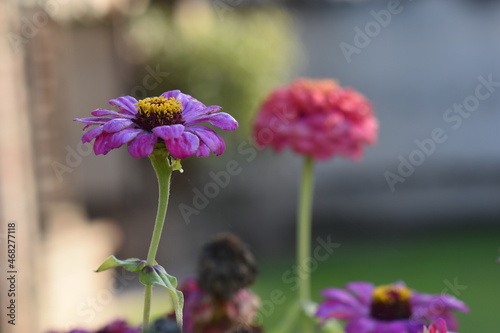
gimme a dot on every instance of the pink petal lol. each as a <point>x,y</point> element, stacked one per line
<point>169,131</point>
<point>116,125</point>
<point>126,104</point>
<point>142,145</point>
<point>184,146</point>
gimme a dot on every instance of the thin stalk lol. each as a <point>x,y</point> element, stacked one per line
<point>304,217</point>
<point>163,173</point>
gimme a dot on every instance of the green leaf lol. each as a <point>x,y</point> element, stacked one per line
<point>332,326</point>
<point>157,275</point>
<point>176,165</point>
<point>131,264</point>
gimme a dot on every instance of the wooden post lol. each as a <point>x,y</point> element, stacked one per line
<point>18,202</point>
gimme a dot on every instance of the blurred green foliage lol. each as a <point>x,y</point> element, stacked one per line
<point>230,58</point>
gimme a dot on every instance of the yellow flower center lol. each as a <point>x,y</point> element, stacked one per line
<point>391,302</point>
<point>158,111</point>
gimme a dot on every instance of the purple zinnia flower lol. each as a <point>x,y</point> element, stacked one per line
<point>387,309</point>
<point>172,120</point>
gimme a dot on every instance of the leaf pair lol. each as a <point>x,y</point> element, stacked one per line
<point>149,275</point>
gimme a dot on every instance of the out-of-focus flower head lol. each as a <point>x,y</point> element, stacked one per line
<point>316,118</point>
<point>170,121</point>
<point>225,265</point>
<point>218,300</point>
<point>204,313</point>
<point>388,308</point>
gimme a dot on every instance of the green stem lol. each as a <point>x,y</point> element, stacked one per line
<point>304,216</point>
<point>147,307</point>
<point>163,172</point>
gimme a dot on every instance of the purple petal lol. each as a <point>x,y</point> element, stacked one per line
<point>331,309</point>
<point>142,145</point>
<point>221,120</point>
<point>399,326</point>
<point>93,121</point>
<point>102,144</point>
<point>193,113</point>
<point>184,146</point>
<point>90,135</point>
<point>169,131</point>
<point>361,325</point>
<point>102,113</point>
<point>210,138</point>
<point>173,93</point>
<point>203,150</point>
<point>340,296</point>
<point>451,303</point>
<point>116,125</point>
<point>126,104</point>
<point>125,136</point>
<point>362,291</point>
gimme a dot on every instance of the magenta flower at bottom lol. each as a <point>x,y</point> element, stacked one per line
<point>387,309</point>
<point>172,118</point>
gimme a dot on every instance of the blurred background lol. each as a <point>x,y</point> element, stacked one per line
<point>422,206</point>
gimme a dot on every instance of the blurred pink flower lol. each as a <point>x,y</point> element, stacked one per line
<point>317,118</point>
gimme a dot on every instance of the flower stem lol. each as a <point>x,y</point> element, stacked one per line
<point>163,172</point>
<point>304,216</point>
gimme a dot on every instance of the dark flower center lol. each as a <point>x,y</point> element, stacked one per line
<point>158,111</point>
<point>391,303</point>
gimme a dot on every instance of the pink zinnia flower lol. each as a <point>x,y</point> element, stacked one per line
<point>171,119</point>
<point>390,308</point>
<point>316,118</point>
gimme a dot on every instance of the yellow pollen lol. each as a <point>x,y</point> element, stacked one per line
<point>390,294</point>
<point>160,106</point>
